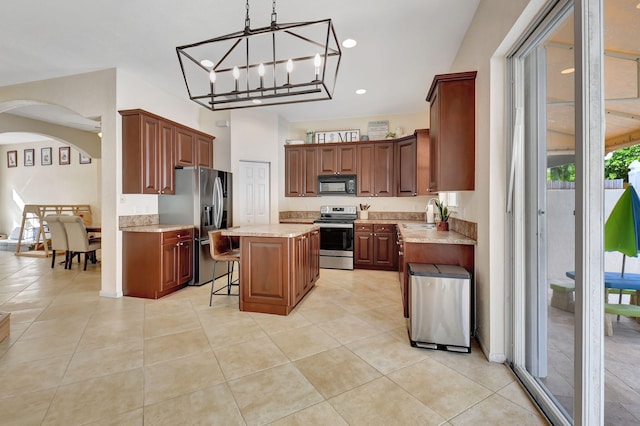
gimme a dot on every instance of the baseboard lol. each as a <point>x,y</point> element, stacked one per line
<point>111,294</point>
<point>499,358</point>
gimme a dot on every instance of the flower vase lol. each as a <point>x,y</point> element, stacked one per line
<point>442,226</point>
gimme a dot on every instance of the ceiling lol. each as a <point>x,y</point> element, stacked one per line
<point>401,45</point>
<point>621,75</point>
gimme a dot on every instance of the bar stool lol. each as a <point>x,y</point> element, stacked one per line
<point>221,251</point>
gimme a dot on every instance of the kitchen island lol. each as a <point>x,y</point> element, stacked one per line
<point>279,265</point>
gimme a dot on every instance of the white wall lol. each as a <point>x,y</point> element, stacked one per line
<point>495,28</point>
<point>54,184</point>
<point>254,137</point>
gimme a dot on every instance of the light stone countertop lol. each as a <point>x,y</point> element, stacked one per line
<point>430,236</point>
<point>156,228</point>
<point>298,220</point>
<point>277,230</point>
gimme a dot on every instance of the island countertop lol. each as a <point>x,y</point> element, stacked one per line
<point>278,230</point>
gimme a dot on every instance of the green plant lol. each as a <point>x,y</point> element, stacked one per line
<point>390,135</point>
<point>443,210</point>
<point>617,166</point>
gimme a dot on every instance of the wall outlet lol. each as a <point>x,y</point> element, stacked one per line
<point>123,199</point>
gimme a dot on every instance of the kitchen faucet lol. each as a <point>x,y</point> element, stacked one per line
<point>430,214</point>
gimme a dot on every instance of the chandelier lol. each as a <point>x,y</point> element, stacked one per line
<point>278,64</point>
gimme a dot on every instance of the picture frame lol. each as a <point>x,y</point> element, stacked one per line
<point>46,156</point>
<point>65,155</point>
<point>84,159</point>
<point>12,158</point>
<point>28,157</point>
<point>378,129</point>
<point>337,136</point>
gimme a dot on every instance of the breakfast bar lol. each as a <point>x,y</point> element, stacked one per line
<point>279,265</point>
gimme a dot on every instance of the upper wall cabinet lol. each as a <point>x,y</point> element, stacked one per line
<point>452,133</point>
<point>153,146</point>
<point>337,159</point>
<point>413,165</point>
<point>301,171</point>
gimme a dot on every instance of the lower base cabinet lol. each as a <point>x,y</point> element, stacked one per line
<point>156,263</point>
<point>276,273</point>
<point>375,247</point>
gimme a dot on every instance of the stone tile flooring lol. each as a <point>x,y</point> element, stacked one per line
<point>341,357</point>
<point>622,366</point>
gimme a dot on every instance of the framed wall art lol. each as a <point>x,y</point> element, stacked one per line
<point>65,155</point>
<point>332,136</point>
<point>12,158</point>
<point>28,157</point>
<point>45,156</point>
<point>84,159</point>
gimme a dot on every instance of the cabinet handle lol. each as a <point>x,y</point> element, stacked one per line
<point>400,253</point>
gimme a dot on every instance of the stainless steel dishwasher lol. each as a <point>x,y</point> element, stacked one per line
<point>439,307</point>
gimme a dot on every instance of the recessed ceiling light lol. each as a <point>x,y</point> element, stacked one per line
<point>568,71</point>
<point>206,63</point>
<point>349,43</point>
<point>361,91</point>
<point>257,101</point>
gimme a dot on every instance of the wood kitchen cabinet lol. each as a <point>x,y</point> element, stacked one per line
<point>153,146</point>
<point>301,171</point>
<point>340,159</point>
<point>156,263</point>
<point>413,164</point>
<point>193,148</point>
<point>452,132</point>
<point>277,272</point>
<point>375,169</point>
<point>375,247</point>
<point>147,154</point>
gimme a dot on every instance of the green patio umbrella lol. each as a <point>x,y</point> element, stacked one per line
<point>622,229</point>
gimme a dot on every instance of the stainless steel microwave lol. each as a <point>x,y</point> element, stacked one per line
<point>337,185</point>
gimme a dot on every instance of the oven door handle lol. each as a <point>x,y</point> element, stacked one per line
<point>335,225</point>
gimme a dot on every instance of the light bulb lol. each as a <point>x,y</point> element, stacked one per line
<point>212,76</point>
<point>289,66</point>
<point>317,61</point>
<point>236,73</point>
<point>261,70</point>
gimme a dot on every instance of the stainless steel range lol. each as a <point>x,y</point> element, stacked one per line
<point>336,236</point>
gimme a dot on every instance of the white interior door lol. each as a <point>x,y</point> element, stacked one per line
<point>254,193</point>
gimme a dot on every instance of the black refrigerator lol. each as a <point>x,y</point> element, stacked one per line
<point>202,198</point>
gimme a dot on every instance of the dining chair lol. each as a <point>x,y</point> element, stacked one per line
<point>221,250</point>
<point>58,238</point>
<point>78,240</point>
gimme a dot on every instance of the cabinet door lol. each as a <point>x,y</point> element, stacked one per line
<point>347,160</point>
<point>185,260</point>
<point>327,160</point>
<point>314,256</point>
<point>365,170</point>
<point>423,162</point>
<point>363,249</point>
<point>310,174</point>
<point>167,175</point>
<point>204,146</point>
<point>293,172</point>
<point>384,253</point>
<point>383,170</point>
<point>185,147</point>
<point>150,155</point>
<point>434,143</point>
<point>170,269</point>
<point>406,161</point>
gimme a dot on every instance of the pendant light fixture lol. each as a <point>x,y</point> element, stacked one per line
<point>278,64</point>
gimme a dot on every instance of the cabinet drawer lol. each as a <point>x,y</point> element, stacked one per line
<point>175,236</point>
<point>360,227</point>
<point>383,228</point>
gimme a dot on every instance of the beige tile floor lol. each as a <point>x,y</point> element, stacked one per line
<point>341,357</point>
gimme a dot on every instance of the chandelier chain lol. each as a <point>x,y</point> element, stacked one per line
<point>247,21</point>
<point>274,15</point>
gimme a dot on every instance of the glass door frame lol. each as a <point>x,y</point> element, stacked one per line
<point>589,222</point>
